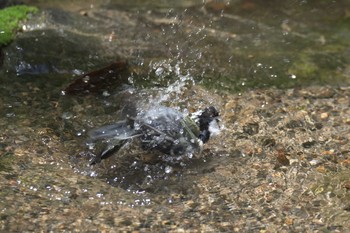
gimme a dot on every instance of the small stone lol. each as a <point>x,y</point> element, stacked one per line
<point>289,221</point>
<point>325,92</point>
<point>282,157</point>
<point>294,124</point>
<point>347,121</point>
<point>268,142</point>
<point>251,128</point>
<point>346,185</point>
<point>308,144</point>
<point>345,162</point>
<point>318,125</point>
<point>321,169</point>
<point>315,162</point>
<point>324,115</point>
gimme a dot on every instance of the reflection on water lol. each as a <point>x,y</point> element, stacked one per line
<point>281,161</point>
<point>231,45</point>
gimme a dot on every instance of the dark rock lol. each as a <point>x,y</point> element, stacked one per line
<point>251,128</point>
<point>282,158</point>
<point>269,142</point>
<point>274,121</point>
<point>308,144</point>
<point>318,125</point>
<point>294,124</point>
<point>109,77</point>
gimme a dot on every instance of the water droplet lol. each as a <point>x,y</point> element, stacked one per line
<point>33,188</point>
<point>86,79</point>
<point>10,114</point>
<point>67,115</point>
<point>106,94</point>
<point>168,169</point>
<point>292,76</point>
<point>159,71</point>
<point>99,195</point>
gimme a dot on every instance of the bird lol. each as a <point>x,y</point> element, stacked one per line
<point>161,129</point>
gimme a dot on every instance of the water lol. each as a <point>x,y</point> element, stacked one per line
<point>281,161</point>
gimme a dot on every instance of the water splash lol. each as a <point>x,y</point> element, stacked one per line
<point>174,90</point>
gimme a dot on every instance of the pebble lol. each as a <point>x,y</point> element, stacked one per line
<point>315,162</point>
<point>324,115</point>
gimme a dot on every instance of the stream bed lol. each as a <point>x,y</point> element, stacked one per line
<point>278,74</point>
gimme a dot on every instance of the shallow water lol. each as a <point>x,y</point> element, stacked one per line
<point>281,162</point>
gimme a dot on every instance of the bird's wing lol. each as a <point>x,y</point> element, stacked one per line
<point>120,130</point>
<point>190,127</point>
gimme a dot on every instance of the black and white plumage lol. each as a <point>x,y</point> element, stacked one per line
<point>159,128</point>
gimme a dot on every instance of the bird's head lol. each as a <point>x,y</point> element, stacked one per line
<point>208,122</point>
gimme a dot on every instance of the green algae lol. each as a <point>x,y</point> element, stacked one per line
<point>9,21</point>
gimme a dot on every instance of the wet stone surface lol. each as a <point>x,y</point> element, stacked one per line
<point>281,162</point>
<point>245,181</point>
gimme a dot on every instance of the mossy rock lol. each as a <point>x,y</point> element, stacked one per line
<point>9,21</point>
